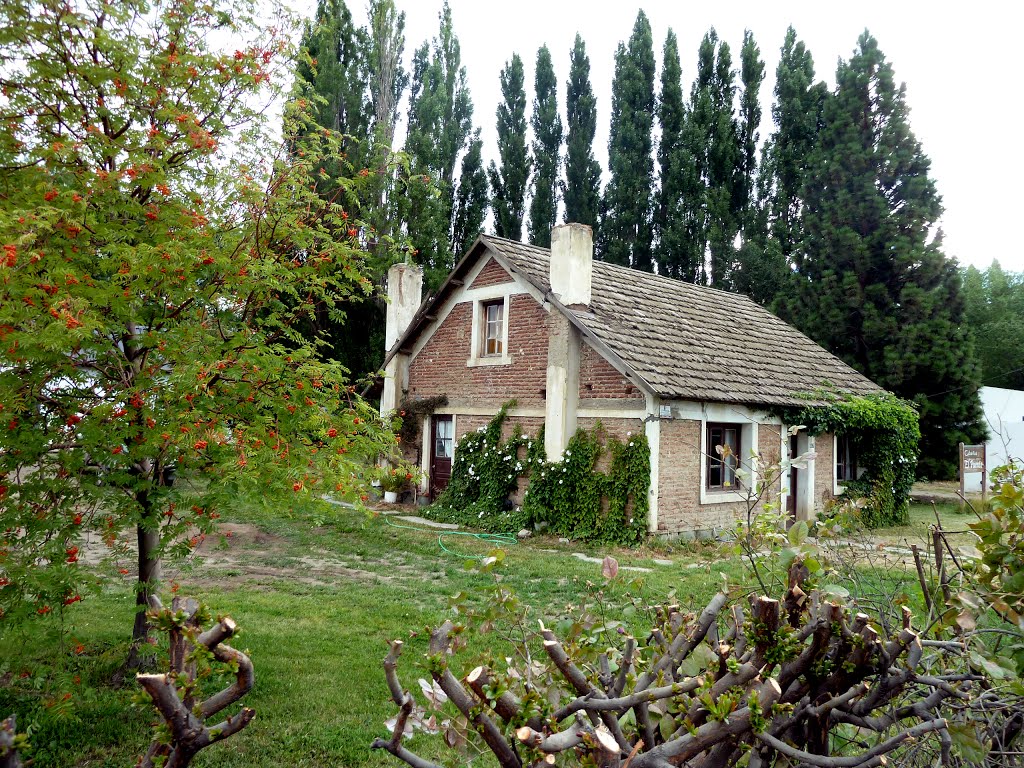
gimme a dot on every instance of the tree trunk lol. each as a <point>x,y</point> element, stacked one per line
<point>148,535</point>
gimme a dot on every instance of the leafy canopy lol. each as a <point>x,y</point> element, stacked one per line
<point>160,246</point>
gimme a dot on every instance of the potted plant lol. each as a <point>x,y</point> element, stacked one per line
<point>396,479</point>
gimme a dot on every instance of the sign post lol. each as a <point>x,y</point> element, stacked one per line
<point>972,461</point>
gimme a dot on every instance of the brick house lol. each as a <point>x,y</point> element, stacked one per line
<point>575,341</point>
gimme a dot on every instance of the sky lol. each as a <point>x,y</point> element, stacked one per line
<point>957,61</point>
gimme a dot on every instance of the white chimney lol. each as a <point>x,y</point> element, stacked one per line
<point>572,263</point>
<point>405,286</point>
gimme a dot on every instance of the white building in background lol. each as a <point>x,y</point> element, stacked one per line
<point>1004,416</point>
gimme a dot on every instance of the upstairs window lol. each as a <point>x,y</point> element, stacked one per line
<point>846,459</point>
<point>723,459</point>
<point>494,328</point>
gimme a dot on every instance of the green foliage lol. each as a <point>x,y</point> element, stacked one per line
<point>547,151</point>
<point>484,474</point>
<point>1000,571</point>
<point>471,198</point>
<point>570,496</point>
<point>713,140</point>
<point>153,281</point>
<point>440,125</point>
<point>994,312</point>
<point>581,189</point>
<point>578,501</point>
<point>626,233</point>
<point>873,285</point>
<point>885,434</point>
<point>508,183</point>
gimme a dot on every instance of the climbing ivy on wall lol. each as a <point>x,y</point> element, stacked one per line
<point>884,432</point>
<point>570,496</point>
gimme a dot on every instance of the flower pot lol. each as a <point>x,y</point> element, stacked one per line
<point>390,497</point>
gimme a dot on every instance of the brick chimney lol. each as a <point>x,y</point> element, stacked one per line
<point>405,287</point>
<point>572,263</point>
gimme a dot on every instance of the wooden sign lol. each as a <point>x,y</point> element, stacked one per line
<point>972,461</point>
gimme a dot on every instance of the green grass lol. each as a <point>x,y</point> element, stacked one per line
<point>922,518</point>
<point>318,591</point>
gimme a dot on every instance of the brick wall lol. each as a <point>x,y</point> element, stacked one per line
<point>824,469</point>
<point>491,274</point>
<point>440,366</point>
<point>679,507</point>
<point>598,379</point>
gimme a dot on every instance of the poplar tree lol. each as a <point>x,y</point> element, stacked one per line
<point>712,137</point>
<point>508,183</point>
<point>547,151</point>
<point>874,286</point>
<point>471,198</point>
<point>751,75</point>
<point>672,223</point>
<point>440,120</point>
<point>797,113</point>
<point>626,233</point>
<point>581,189</point>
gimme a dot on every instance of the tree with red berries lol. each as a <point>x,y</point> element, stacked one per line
<point>162,244</point>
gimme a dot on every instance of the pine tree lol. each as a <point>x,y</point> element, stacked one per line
<point>333,74</point>
<point>471,199</point>
<point>547,149</point>
<point>508,184</point>
<point>626,232</point>
<point>440,121</point>
<point>334,66</point>
<point>874,286</point>
<point>581,189</point>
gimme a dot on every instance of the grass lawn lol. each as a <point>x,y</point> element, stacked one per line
<point>922,518</point>
<point>318,592</point>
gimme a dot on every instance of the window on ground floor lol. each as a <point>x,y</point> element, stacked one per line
<point>846,459</point>
<point>724,448</point>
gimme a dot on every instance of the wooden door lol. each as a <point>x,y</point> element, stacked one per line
<point>443,444</point>
<point>793,476</point>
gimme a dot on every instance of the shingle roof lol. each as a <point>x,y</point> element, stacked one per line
<point>691,342</point>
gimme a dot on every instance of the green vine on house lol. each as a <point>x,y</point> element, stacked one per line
<point>884,432</point>
<point>571,497</point>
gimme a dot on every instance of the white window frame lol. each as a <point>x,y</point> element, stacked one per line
<point>746,420</point>
<point>476,348</point>
<point>839,486</point>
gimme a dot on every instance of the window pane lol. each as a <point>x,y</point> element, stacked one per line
<point>493,327</point>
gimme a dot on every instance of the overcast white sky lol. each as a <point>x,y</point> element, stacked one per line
<point>959,63</point>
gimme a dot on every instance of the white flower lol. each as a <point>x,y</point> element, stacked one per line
<point>559,482</point>
<point>629,434</point>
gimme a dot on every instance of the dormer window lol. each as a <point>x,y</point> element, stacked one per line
<point>493,328</point>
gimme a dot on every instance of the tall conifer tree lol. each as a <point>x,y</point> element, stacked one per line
<point>874,285</point>
<point>547,151</point>
<point>471,198</point>
<point>669,220</point>
<point>712,137</point>
<point>440,121</point>
<point>508,183</point>
<point>799,101</point>
<point>581,189</point>
<point>626,233</point>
